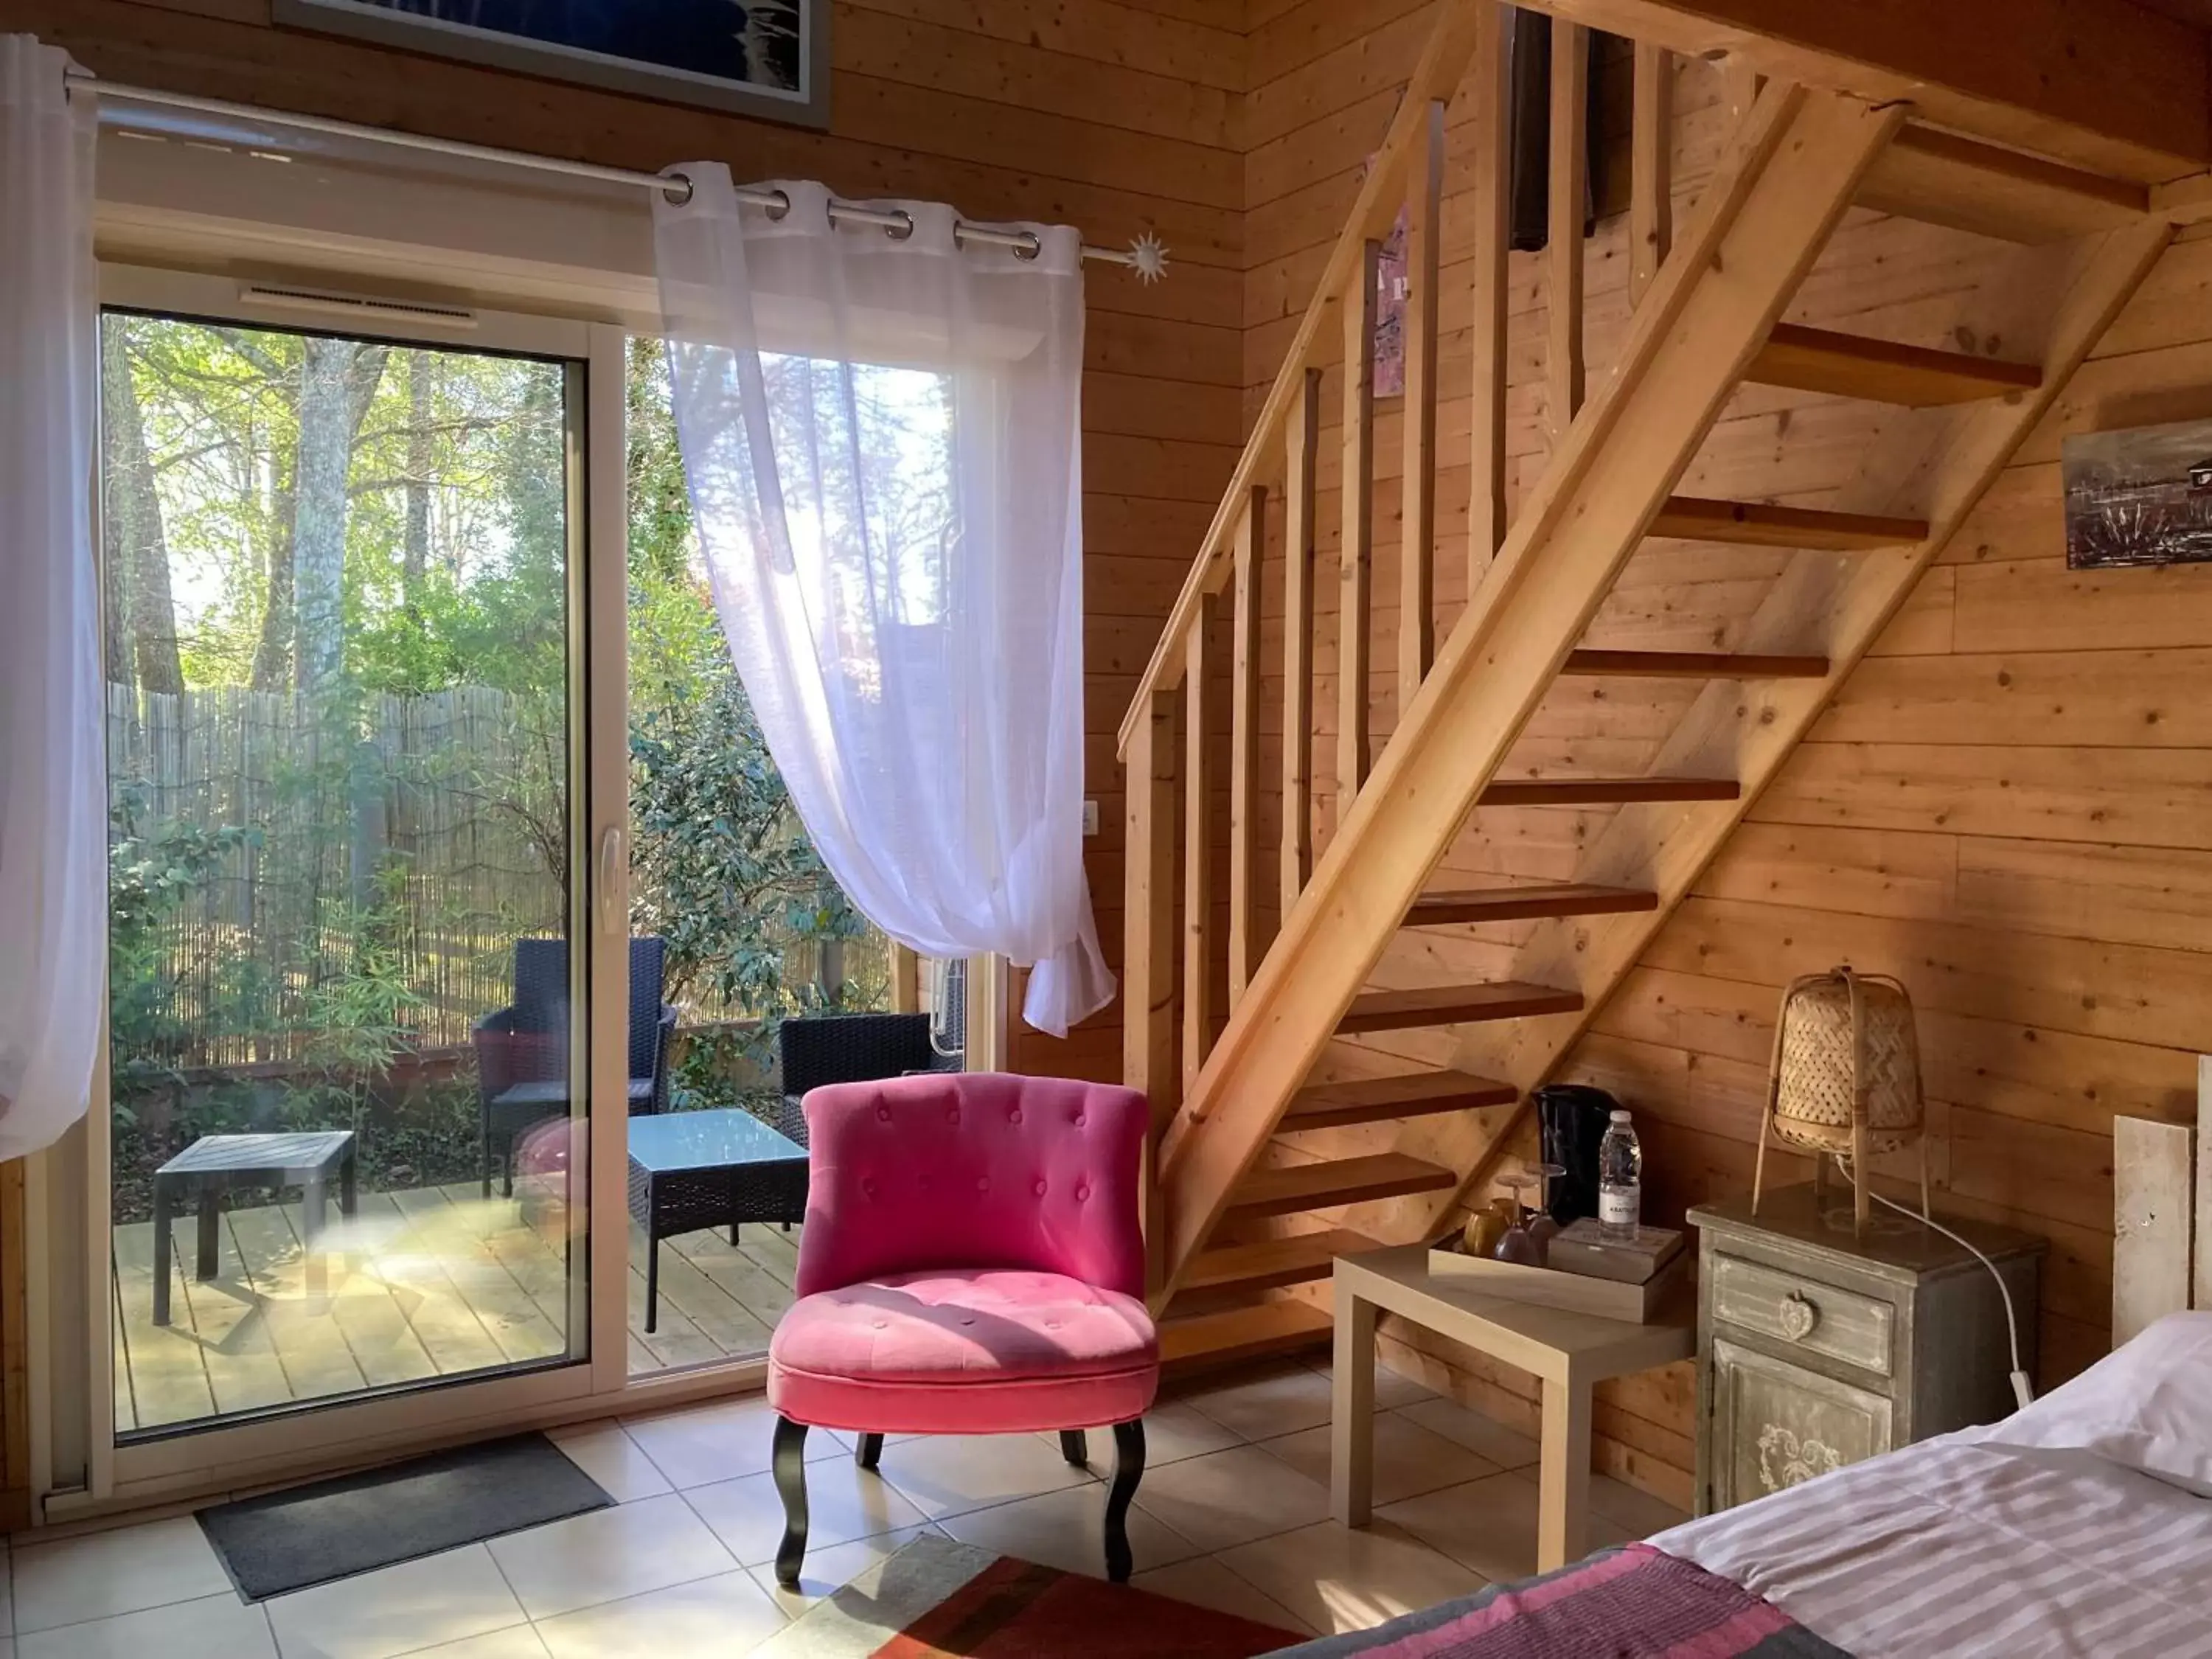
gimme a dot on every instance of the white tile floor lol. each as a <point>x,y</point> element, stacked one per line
<point>1233,1514</point>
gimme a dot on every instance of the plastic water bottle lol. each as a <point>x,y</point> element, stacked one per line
<point>1620,1181</point>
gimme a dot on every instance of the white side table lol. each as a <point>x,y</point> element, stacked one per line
<point>1569,1352</point>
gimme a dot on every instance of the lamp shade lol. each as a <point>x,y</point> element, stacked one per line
<point>1846,1073</point>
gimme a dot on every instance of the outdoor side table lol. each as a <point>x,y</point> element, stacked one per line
<point>694,1170</point>
<point>214,1164</point>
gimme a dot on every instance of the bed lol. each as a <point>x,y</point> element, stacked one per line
<point>2081,1526</point>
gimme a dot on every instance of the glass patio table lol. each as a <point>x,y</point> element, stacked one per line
<point>694,1170</point>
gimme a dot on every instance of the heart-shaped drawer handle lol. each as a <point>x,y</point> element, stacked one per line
<point>1800,1313</point>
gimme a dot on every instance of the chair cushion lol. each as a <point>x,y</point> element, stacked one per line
<point>964,1352</point>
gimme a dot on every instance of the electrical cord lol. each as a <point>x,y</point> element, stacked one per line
<point>2023,1390</point>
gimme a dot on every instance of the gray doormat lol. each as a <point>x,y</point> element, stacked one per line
<point>305,1535</point>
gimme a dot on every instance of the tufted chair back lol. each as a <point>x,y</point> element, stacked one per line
<point>973,1170</point>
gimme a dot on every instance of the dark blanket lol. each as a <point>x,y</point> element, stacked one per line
<point>1632,1603</point>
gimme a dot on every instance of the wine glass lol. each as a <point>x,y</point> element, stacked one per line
<point>1543,1229</point>
<point>1519,1245</point>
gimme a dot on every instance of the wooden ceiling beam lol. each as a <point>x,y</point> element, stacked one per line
<point>2103,85</point>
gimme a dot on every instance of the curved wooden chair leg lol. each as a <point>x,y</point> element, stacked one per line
<point>870,1451</point>
<point>788,1460</point>
<point>1128,1469</point>
<point>1075,1447</point>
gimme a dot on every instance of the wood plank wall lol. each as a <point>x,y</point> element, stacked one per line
<point>2007,807</point>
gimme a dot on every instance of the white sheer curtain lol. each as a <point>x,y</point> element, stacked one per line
<point>53,837</point>
<point>881,435</point>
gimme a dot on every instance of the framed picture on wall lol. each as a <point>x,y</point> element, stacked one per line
<point>760,57</point>
<point>2139,497</point>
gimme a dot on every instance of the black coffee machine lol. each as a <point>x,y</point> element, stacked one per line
<point>1573,1117</point>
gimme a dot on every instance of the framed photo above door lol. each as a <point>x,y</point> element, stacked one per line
<point>768,58</point>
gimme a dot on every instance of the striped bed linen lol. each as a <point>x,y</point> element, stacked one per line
<point>2039,1537</point>
<point>1964,1547</point>
<point>1968,1548</point>
<point>1629,1603</point>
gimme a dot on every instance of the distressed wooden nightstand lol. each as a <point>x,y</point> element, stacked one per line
<point>1816,1349</point>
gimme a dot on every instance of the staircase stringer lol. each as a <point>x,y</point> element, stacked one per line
<point>1759,229</point>
<point>1839,604</point>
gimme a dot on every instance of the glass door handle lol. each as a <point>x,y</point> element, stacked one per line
<point>611,853</point>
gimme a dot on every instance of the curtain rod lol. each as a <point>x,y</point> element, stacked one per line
<point>1144,255</point>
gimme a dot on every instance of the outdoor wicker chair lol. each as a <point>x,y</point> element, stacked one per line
<point>522,1050</point>
<point>819,1048</point>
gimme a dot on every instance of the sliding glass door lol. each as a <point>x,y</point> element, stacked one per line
<point>447,870</point>
<point>348,1123</point>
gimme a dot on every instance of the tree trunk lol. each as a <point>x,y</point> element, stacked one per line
<point>337,380</point>
<point>319,512</point>
<point>142,621</point>
<point>421,459</point>
<point>115,391</point>
<point>272,657</point>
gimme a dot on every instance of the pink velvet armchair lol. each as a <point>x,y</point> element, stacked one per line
<point>972,1264</point>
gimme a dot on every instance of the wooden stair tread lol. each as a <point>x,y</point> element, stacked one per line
<point>1454,1005</point>
<point>1941,178</point>
<point>1755,524</point>
<point>1379,1099</point>
<point>1332,1181</point>
<point>1194,1341</point>
<point>1272,1263</point>
<point>1606,792</point>
<point>1572,898</point>
<point>1696,665</point>
<point>1883,371</point>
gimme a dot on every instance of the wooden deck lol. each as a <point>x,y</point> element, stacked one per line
<point>423,1284</point>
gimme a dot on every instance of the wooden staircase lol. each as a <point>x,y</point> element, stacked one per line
<point>1244,1217</point>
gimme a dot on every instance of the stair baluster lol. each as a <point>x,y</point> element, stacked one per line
<point>1650,164</point>
<point>1490,157</point>
<point>1300,435</point>
<point>1569,193</point>
<point>1197,844</point>
<point>1355,554</point>
<point>1244,741</point>
<point>1417,521</point>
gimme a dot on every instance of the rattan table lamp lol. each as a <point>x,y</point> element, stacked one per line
<point>1846,1078</point>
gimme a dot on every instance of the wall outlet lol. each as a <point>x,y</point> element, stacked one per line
<point>1090,817</point>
